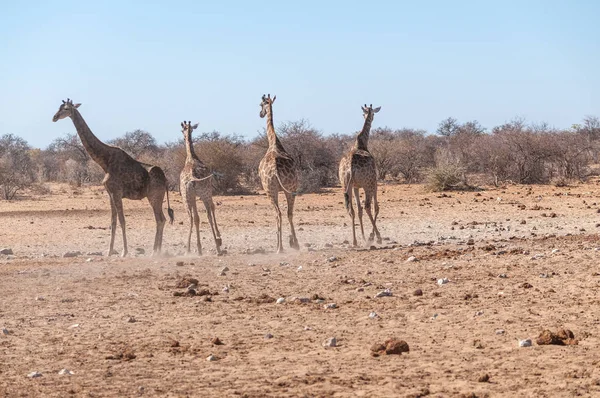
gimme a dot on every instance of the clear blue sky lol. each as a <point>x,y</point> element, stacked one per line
<point>152,64</point>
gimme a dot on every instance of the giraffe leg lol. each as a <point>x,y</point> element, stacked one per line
<point>197,226</point>
<point>118,201</point>
<point>376,206</point>
<point>214,217</point>
<point>156,200</point>
<point>290,213</point>
<point>375,232</point>
<point>185,196</point>
<point>113,227</point>
<point>360,211</point>
<point>351,213</point>
<point>274,196</point>
<point>210,209</point>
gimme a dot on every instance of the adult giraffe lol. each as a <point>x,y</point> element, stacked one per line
<point>125,178</point>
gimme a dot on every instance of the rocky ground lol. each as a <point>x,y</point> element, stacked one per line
<point>445,306</point>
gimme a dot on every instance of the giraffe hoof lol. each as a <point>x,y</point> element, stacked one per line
<point>219,242</point>
<point>112,252</point>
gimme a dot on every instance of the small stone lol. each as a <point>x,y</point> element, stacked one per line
<point>500,331</point>
<point>299,268</point>
<point>330,342</point>
<point>479,313</point>
<point>411,259</point>
<point>140,250</point>
<point>554,251</point>
<point>224,269</point>
<point>226,289</point>
<point>131,320</point>
<point>332,259</point>
<point>268,336</point>
<point>216,341</point>
<point>40,298</point>
<point>74,326</point>
<point>484,378</point>
<point>384,293</point>
<point>525,343</point>
<point>72,254</point>
<point>66,372</point>
<point>418,292</point>
<point>526,285</point>
<point>211,358</point>
<point>373,315</point>
<point>280,300</point>
<point>394,346</point>
<point>89,260</point>
<point>6,251</point>
<point>503,276</point>
<point>34,375</point>
<point>434,317</point>
<point>442,281</point>
<point>222,273</point>
<point>330,306</point>
<point>179,263</point>
<point>5,331</point>
<point>283,263</point>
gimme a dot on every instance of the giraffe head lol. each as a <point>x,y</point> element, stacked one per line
<point>187,128</point>
<point>369,112</point>
<point>266,103</point>
<point>65,110</point>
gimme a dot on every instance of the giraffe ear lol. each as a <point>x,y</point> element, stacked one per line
<point>195,126</point>
<point>273,100</point>
<point>376,109</point>
<point>77,105</point>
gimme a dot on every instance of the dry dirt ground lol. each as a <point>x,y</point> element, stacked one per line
<point>517,259</point>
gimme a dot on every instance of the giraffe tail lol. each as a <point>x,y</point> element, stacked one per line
<point>293,193</point>
<point>170,211</point>
<point>348,183</point>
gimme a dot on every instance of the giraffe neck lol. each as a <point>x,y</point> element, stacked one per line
<point>189,148</point>
<point>274,142</point>
<point>97,150</point>
<point>362,139</point>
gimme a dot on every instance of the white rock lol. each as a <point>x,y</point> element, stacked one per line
<point>251,264</point>
<point>74,326</point>
<point>330,342</point>
<point>332,259</point>
<point>479,313</point>
<point>411,259</point>
<point>226,289</point>
<point>503,276</point>
<point>34,375</point>
<point>307,328</point>
<point>89,260</point>
<point>442,281</point>
<point>40,298</point>
<point>384,293</point>
<point>525,343</point>
<point>300,268</point>
<point>66,372</point>
<point>500,331</point>
<point>211,358</point>
<point>373,315</point>
<point>330,306</point>
<point>554,251</point>
<point>280,300</point>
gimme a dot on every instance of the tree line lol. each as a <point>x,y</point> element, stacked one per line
<point>457,154</point>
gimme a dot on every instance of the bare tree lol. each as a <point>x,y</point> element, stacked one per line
<point>16,167</point>
<point>136,143</point>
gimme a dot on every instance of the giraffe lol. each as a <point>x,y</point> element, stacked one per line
<point>196,178</point>
<point>358,170</point>
<point>125,178</point>
<point>277,171</point>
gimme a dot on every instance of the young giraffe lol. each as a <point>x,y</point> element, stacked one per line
<point>197,178</point>
<point>277,171</point>
<point>125,178</point>
<point>358,170</point>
